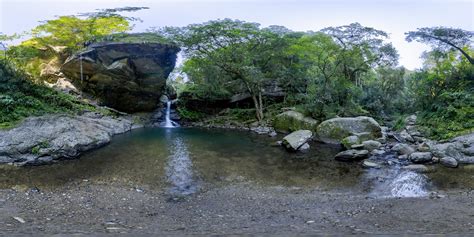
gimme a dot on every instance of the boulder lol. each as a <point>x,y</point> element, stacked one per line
<point>352,155</point>
<point>290,121</point>
<point>295,140</point>
<point>371,145</point>
<point>40,140</point>
<point>128,77</point>
<point>403,149</point>
<point>449,162</point>
<point>420,157</point>
<point>334,130</point>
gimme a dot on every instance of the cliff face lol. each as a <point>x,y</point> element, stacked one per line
<point>129,77</point>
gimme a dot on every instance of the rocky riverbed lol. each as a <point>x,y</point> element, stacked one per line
<point>86,208</point>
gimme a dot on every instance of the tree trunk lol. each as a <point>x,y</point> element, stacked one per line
<point>258,106</point>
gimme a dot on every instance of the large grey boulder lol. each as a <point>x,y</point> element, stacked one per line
<point>290,121</point>
<point>297,139</point>
<point>128,77</point>
<point>43,139</point>
<point>334,130</point>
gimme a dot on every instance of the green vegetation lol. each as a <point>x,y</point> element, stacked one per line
<point>340,71</point>
<point>20,97</point>
<point>346,70</point>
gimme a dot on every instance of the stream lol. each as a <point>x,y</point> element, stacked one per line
<point>182,161</point>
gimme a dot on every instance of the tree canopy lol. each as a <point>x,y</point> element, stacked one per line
<point>444,38</point>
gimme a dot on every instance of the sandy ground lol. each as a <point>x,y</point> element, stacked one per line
<point>241,208</point>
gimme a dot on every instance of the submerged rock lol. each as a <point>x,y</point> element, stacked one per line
<point>334,130</point>
<point>296,139</point>
<point>352,155</point>
<point>40,140</point>
<point>292,121</point>
<point>128,77</point>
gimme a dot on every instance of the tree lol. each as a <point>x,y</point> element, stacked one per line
<point>362,49</point>
<point>241,53</point>
<point>444,38</point>
<point>6,38</point>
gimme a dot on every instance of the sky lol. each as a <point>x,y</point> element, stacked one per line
<point>393,16</point>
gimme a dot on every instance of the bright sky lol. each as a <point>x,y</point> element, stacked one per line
<point>392,16</point>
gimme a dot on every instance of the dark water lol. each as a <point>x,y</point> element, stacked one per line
<point>182,160</point>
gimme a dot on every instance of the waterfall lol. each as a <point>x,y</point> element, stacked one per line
<point>168,122</point>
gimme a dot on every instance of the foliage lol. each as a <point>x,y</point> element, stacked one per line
<point>20,97</point>
<point>233,54</point>
<point>444,39</point>
<point>444,92</point>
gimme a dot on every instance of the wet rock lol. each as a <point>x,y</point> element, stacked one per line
<point>406,137</point>
<point>262,130</point>
<point>272,134</point>
<point>357,147</point>
<point>304,148</point>
<point>423,147</point>
<point>403,157</point>
<point>420,157</point>
<point>371,145</point>
<point>352,155</point>
<point>40,140</point>
<point>290,121</point>
<point>334,130</point>
<point>449,162</point>
<point>403,149</point>
<point>377,152</point>
<point>349,141</point>
<point>296,139</point>
<point>370,164</point>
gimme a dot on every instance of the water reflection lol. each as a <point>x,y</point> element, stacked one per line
<point>179,168</point>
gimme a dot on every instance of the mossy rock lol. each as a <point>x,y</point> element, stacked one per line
<point>335,130</point>
<point>290,121</point>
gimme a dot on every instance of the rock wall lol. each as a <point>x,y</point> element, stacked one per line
<point>129,77</point>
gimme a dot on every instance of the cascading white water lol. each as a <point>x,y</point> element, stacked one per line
<point>408,184</point>
<point>168,122</point>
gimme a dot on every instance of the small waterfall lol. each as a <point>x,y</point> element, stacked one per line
<point>396,182</point>
<point>408,184</point>
<point>168,122</point>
